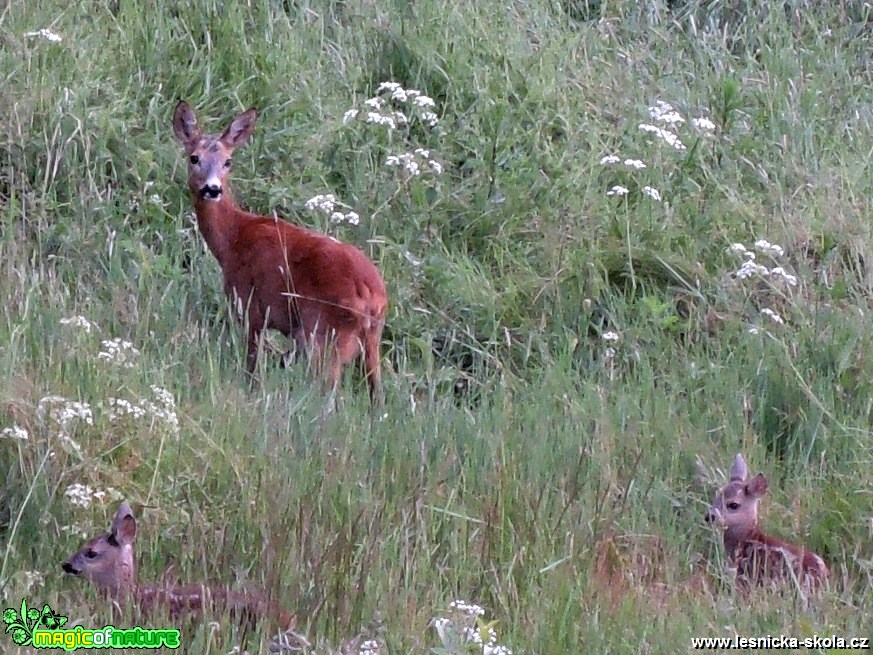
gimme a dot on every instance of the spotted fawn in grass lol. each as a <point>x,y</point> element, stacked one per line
<point>326,295</point>
<point>108,560</point>
<point>759,558</point>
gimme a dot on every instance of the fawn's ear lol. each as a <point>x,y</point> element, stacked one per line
<point>240,129</point>
<point>757,486</point>
<point>185,125</point>
<point>124,525</point>
<point>739,470</point>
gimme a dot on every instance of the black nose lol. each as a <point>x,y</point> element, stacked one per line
<point>69,568</point>
<point>710,517</point>
<point>210,191</point>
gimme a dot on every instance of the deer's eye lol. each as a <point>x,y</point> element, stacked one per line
<point>227,163</point>
<point>733,506</point>
<point>194,159</point>
<point>90,553</point>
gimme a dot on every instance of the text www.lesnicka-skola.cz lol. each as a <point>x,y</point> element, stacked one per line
<point>777,642</point>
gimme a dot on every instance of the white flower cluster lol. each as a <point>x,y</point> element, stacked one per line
<point>118,352</point>
<point>381,108</point>
<point>467,628</point>
<point>47,34</point>
<point>327,204</point>
<point>162,409</point>
<point>82,495</point>
<point>612,338</point>
<point>667,136</point>
<point>64,412</point>
<point>618,190</point>
<point>15,432</point>
<point>79,322</point>
<point>369,647</point>
<point>412,162</point>
<point>751,268</point>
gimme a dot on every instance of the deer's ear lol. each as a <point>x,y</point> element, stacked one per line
<point>739,470</point>
<point>185,125</point>
<point>757,486</point>
<point>240,129</point>
<point>124,525</point>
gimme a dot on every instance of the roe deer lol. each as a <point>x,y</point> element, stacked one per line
<point>109,562</point>
<point>326,295</point>
<point>757,557</point>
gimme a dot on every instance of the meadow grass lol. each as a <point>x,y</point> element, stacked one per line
<point>571,359</point>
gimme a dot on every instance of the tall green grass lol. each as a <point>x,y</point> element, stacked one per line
<point>521,462</point>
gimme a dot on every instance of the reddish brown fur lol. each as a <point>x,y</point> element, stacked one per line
<point>758,557</point>
<point>108,560</point>
<point>326,295</point>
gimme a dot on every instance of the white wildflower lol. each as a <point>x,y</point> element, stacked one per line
<point>369,647</point>
<point>653,193</point>
<point>753,330</point>
<point>788,278</point>
<point>119,407</point>
<point>350,115</point>
<point>407,161</point>
<point>388,86</point>
<point>634,163</point>
<point>665,135</point>
<point>424,102</point>
<point>617,190</point>
<point>119,352</point>
<point>663,112</point>
<point>79,322</point>
<point>610,336</point>
<point>79,495</point>
<point>352,218</point>
<point>609,159</point>
<point>703,124</point>
<point>435,166</point>
<point>47,34</point>
<point>374,103</point>
<point>762,245</point>
<point>430,118</point>
<point>400,118</point>
<point>15,432</point>
<point>31,579</point>
<point>737,248</point>
<point>766,311</point>
<point>325,203</point>
<point>471,609</point>
<point>609,353</point>
<point>750,269</point>
<point>155,199</point>
<point>421,152</point>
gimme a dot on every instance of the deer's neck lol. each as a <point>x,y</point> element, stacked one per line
<point>736,538</point>
<point>218,222</point>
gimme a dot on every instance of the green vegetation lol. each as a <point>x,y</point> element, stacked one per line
<point>526,460</point>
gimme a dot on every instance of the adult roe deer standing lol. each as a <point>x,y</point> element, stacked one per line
<point>108,560</point>
<point>758,557</point>
<point>326,295</point>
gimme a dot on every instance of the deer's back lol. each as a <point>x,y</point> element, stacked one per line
<point>765,558</point>
<point>275,261</point>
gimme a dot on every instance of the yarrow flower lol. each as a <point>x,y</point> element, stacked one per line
<point>327,204</point>
<point>609,159</point>
<point>79,322</point>
<point>382,109</point>
<point>617,190</point>
<point>653,193</point>
<point>119,352</point>
<point>47,34</point>
<point>15,432</point>
<point>611,337</point>
<point>634,163</point>
<point>703,124</point>
<point>369,647</point>
<point>466,627</point>
<point>667,136</point>
<point>766,311</point>
<point>82,495</point>
<point>412,162</point>
<point>663,112</point>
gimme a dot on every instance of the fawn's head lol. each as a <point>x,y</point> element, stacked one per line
<point>108,559</point>
<point>736,504</point>
<point>209,155</point>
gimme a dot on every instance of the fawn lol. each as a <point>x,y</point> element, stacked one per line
<point>108,561</point>
<point>326,295</point>
<point>757,557</point>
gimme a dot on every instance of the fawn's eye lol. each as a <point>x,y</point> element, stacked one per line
<point>194,159</point>
<point>90,553</point>
<point>733,506</point>
<point>227,163</point>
